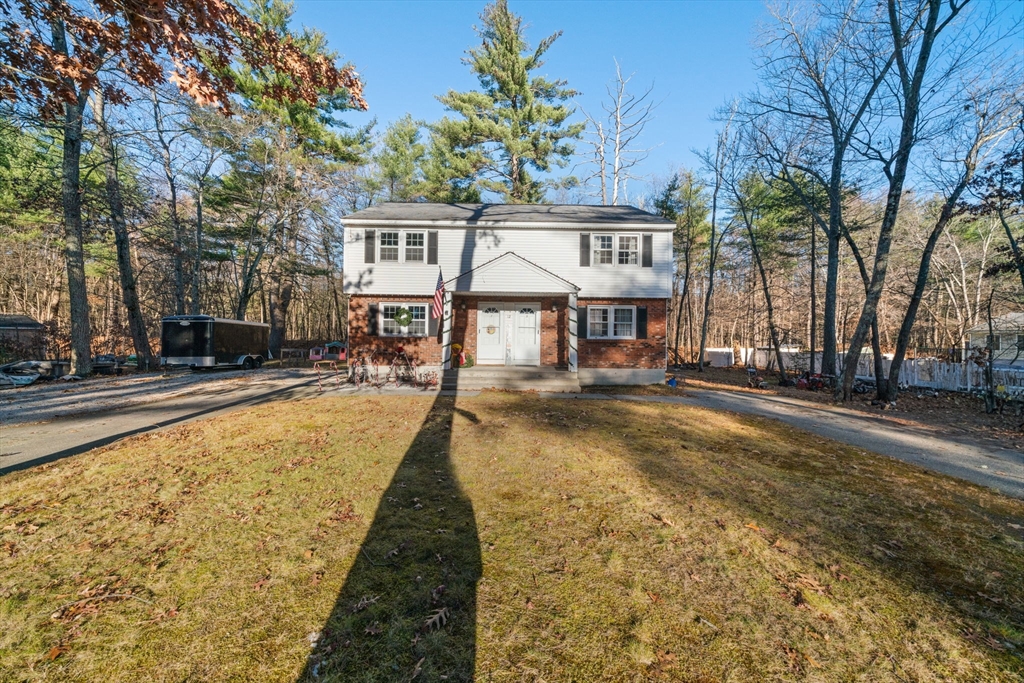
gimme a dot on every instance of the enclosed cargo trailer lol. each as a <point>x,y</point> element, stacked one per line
<point>202,341</point>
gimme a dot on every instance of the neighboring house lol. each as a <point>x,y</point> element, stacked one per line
<point>583,289</point>
<point>1007,340</point>
<point>22,332</point>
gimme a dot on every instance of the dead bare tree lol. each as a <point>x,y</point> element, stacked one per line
<point>614,139</point>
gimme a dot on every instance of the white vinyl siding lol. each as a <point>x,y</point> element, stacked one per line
<point>555,250</point>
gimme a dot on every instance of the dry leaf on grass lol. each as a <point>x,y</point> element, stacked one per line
<point>437,619</point>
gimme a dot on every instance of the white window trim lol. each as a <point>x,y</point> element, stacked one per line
<point>594,250</point>
<point>402,246</point>
<point>404,331</point>
<point>381,246</point>
<point>639,249</point>
<point>611,322</point>
<point>405,246</point>
<point>615,249</point>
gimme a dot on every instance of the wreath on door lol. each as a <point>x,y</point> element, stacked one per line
<point>403,317</point>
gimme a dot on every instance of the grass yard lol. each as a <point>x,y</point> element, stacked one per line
<point>503,538</point>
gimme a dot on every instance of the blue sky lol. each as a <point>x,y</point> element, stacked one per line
<point>697,54</point>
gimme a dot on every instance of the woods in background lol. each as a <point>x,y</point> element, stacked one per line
<point>868,194</point>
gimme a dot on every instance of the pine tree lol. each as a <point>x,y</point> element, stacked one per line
<point>511,128</point>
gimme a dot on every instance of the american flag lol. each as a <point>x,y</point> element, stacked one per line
<point>439,296</point>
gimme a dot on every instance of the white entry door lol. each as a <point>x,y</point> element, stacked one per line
<point>526,347</point>
<point>490,335</point>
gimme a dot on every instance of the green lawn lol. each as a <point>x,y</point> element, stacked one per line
<point>505,538</point>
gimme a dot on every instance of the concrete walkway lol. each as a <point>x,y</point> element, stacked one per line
<point>986,464</point>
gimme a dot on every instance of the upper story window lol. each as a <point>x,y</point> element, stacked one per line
<point>414,246</point>
<point>992,342</point>
<point>629,250</point>
<point>388,246</point>
<point>1020,342</point>
<point>603,248</point>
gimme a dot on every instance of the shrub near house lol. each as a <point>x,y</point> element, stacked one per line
<point>579,288</point>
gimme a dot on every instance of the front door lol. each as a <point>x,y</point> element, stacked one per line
<point>526,345</point>
<point>490,335</point>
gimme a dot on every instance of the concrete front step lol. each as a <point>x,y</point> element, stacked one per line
<point>516,378</point>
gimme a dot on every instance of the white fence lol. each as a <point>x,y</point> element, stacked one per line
<point>930,373</point>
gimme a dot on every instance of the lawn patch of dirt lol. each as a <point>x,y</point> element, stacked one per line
<point>503,537</point>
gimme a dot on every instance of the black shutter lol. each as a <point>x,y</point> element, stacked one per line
<point>370,246</point>
<point>641,322</point>
<point>432,322</point>
<point>647,256</point>
<point>584,249</point>
<point>371,319</point>
<point>581,322</point>
<point>432,248</point>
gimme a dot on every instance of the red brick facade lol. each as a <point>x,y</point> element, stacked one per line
<point>424,350</point>
<point>646,353</point>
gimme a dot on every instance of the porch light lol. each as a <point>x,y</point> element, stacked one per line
<point>554,307</point>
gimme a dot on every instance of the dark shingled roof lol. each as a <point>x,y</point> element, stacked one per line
<point>11,320</point>
<point>487,214</point>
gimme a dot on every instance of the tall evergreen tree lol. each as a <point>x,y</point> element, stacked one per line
<point>398,160</point>
<point>514,126</point>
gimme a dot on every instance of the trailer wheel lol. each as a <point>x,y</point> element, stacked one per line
<point>248,363</point>
<point>259,362</point>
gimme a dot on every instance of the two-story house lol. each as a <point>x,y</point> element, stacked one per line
<point>580,289</point>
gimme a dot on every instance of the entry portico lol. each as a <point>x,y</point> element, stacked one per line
<point>509,305</point>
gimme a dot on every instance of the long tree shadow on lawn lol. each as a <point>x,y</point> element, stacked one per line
<point>934,535</point>
<point>408,605</point>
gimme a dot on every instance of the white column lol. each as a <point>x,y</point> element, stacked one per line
<point>446,333</point>
<point>573,335</point>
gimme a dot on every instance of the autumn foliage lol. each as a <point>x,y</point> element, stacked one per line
<point>188,42</point>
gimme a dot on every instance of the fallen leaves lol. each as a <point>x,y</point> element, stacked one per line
<point>437,619</point>
<point>664,520</point>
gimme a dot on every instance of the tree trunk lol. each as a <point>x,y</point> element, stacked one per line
<point>197,264</point>
<point>828,342</point>
<point>71,200</point>
<point>814,293</point>
<point>903,339</point>
<point>130,296</point>
<point>908,137</point>
<point>772,330</point>
<point>280,300</point>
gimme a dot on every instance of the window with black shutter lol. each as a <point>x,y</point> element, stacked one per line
<point>641,322</point>
<point>647,252</point>
<point>370,246</point>
<point>581,322</point>
<point>372,313</point>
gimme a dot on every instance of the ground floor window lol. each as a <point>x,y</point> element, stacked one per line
<point>611,322</point>
<point>403,320</point>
